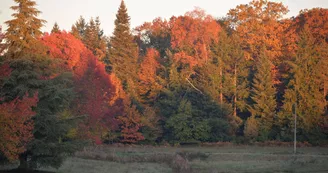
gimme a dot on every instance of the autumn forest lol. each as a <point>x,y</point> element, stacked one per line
<point>193,78</point>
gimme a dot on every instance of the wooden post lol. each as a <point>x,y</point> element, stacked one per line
<point>235,97</point>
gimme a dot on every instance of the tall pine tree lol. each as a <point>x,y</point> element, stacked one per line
<point>94,39</point>
<point>123,53</point>
<point>24,29</point>
<point>263,95</point>
<point>78,29</point>
<point>32,71</point>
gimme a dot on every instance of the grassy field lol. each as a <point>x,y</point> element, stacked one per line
<point>195,159</point>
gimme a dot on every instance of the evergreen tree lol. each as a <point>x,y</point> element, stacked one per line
<point>94,39</point>
<point>228,72</point>
<point>151,129</point>
<point>202,118</point>
<point>263,95</point>
<point>52,124</point>
<point>55,28</point>
<point>239,71</point>
<point>30,73</point>
<point>24,30</point>
<point>78,29</point>
<point>101,44</point>
<point>225,78</point>
<point>98,29</point>
<point>251,130</point>
<point>91,35</point>
<point>304,90</point>
<point>123,52</point>
<point>181,124</point>
<point>48,146</point>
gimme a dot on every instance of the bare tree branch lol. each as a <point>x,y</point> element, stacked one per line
<point>194,86</point>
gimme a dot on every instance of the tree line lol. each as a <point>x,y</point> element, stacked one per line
<point>189,79</point>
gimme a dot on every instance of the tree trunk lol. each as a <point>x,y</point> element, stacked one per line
<point>325,94</point>
<point>221,86</point>
<point>23,162</point>
<point>205,51</point>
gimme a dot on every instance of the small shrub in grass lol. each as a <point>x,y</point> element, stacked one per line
<point>180,164</point>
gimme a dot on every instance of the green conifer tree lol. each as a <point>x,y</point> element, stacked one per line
<point>50,143</point>
<point>94,38</point>
<point>123,53</point>
<point>91,36</point>
<point>78,29</point>
<point>31,71</point>
<point>303,90</point>
<point>52,124</point>
<point>263,95</point>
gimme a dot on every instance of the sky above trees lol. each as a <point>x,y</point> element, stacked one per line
<point>65,12</point>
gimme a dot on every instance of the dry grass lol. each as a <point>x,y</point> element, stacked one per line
<point>78,165</point>
<point>228,158</point>
<point>214,159</point>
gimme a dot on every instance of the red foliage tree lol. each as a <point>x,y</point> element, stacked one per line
<point>130,123</point>
<point>95,88</point>
<point>16,125</point>
<point>5,71</point>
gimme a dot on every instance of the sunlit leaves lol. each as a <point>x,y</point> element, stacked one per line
<point>16,125</point>
<point>192,34</point>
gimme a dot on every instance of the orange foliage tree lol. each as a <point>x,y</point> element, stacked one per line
<point>64,46</point>
<point>316,21</point>
<point>149,84</point>
<point>258,24</point>
<point>16,125</point>
<point>191,36</point>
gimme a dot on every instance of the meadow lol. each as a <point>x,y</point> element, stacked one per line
<point>138,159</point>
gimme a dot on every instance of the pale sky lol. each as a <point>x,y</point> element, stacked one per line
<point>66,12</point>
